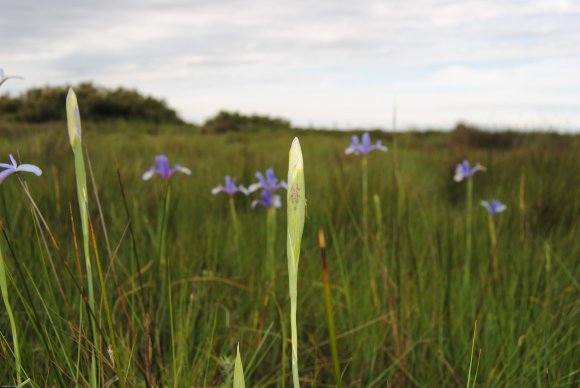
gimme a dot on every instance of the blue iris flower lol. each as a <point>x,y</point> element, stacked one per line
<point>229,187</point>
<point>268,200</point>
<point>364,147</point>
<point>162,168</point>
<point>268,183</point>
<point>493,207</point>
<point>12,168</point>
<point>4,78</point>
<point>464,171</point>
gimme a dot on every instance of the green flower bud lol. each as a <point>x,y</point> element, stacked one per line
<point>73,118</point>
<point>296,203</point>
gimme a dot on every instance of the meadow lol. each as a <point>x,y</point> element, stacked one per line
<point>409,309</point>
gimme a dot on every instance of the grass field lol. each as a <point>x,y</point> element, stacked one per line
<point>405,305</point>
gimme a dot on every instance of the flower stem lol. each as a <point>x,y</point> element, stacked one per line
<point>365,201</point>
<point>162,257</point>
<point>468,230</point>
<point>163,221</point>
<point>293,300</point>
<point>82,193</point>
<point>493,239</point>
<point>235,223</point>
<point>270,242</point>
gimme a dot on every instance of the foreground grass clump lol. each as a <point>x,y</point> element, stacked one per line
<point>414,327</point>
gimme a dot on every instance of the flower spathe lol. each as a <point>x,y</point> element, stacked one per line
<point>73,118</point>
<point>269,182</point>
<point>493,207</point>
<point>229,187</point>
<point>464,170</point>
<point>296,201</point>
<point>13,167</point>
<point>363,147</point>
<point>268,200</point>
<point>163,169</point>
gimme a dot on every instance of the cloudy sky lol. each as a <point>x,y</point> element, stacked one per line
<point>324,63</point>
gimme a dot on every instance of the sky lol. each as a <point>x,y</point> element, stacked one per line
<point>324,63</point>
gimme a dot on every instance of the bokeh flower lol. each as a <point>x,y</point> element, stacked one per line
<point>464,170</point>
<point>229,187</point>
<point>268,200</point>
<point>269,182</point>
<point>162,168</point>
<point>364,147</point>
<point>493,207</point>
<point>12,168</point>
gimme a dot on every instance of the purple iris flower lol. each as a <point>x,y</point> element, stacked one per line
<point>269,183</point>
<point>162,168</point>
<point>464,171</point>
<point>493,207</point>
<point>268,199</point>
<point>10,169</point>
<point>229,187</point>
<point>365,147</point>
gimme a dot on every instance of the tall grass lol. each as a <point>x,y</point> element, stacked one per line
<point>418,332</point>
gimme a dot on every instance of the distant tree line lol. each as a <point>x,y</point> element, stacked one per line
<point>466,135</point>
<point>235,122</point>
<point>96,104</point>
<point>42,105</point>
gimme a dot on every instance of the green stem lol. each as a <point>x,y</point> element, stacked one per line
<point>4,289</point>
<point>158,270</point>
<point>293,300</point>
<point>162,257</point>
<point>293,257</point>
<point>468,229</point>
<point>235,223</point>
<point>493,239</point>
<point>82,194</point>
<point>163,221</point>
<point>270,242</point>
<point>365,201</point>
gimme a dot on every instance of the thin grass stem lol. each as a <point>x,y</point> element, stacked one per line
<point>13,330</point>
<point>329,309</point>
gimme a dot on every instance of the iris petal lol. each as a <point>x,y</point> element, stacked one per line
<point>185,170</point>
<point>253,187</point>
<point>148,175</point>
<point>30,168</point>
<point>6,173</point>
<point>271,177</point>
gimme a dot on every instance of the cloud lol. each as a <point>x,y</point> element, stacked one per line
<point>320,62</point>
